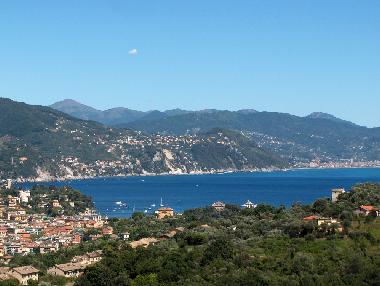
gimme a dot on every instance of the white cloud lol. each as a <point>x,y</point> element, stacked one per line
<point>133,52</point>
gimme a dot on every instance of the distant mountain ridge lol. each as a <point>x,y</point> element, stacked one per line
<point>318,136</point>
<point>38,142</point>
<point>298,139</point>
<point>109,117</point>
<point>120,116</point>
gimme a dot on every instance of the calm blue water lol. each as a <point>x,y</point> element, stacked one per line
<point>184,192</point>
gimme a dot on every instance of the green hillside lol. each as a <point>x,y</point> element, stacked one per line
<point>297,138</point>
<point>37,141</point>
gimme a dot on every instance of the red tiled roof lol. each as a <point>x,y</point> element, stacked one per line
<point>368,208</point>
<point>312,217</point>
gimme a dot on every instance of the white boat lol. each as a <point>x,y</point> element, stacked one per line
<point>119,203</point>
<point>161,204</point>
<point>153,205</point>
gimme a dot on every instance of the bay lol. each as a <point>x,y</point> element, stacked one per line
<point>181,192</point>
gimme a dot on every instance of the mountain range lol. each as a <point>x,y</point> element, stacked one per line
<point>38,142</point>
<point>318,136</point>
<point>120,116</point>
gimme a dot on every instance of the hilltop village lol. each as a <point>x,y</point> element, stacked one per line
<point>54,236</point>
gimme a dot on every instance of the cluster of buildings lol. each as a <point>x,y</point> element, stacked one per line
<point>23,232</point>
<point>73,269</point>
<point>363,210</point>
<point>331,164</point>
<point>76,266</point>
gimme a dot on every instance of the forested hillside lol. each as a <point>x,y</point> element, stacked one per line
<point>297,138</point>
<point>39,142</point>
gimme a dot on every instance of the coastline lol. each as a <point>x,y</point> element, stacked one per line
<point>216,172</point>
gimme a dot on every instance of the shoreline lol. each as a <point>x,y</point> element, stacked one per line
<point>218,172</point>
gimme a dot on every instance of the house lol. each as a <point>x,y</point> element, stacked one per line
<point>219,206</point>
<point>311,218</point>
<point>3,231</point>
<point>88,258</point>
<point>367,210</point>
<point>172,233</point>
<point>144,242</point>
<point>24,196</point>
<point>164,212</point>
<point>68,270</point>
<point>4,273</point>
<point>25,273</point>
<point>335,193</point>
<point>327,221</point>
<point>8,185</point>
<point>249,205</point>
<point>322,221</point>
<point>55,204</point>
<point>124,236</point>
<point>13,201</point>
<point>107,230</point>
<point>76,238</point>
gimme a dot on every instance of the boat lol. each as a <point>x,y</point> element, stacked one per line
<point>161,204</point>
<point>119,203</point>
<point>153,205</point>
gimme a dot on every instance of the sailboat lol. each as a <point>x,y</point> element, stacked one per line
<point>161,204</point>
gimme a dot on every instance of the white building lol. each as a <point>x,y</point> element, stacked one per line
<point>8,185</point>
<point>24,196</point>
<point>249,205</point>
<point>335,193</point>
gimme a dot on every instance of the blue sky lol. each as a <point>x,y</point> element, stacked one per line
<point>287,56</point>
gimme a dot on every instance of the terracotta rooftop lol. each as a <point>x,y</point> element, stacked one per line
<point>312,217</point>
<point>26,270</point>
<point>368,208</point>
<point>165,209</point>
<point>67,267</point>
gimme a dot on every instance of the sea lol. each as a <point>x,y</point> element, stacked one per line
<point>121,196</point>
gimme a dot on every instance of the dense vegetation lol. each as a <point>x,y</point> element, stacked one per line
<point>261,246</point>
<point>72,202</point>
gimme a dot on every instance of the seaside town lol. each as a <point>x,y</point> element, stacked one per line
<point>44,220</point>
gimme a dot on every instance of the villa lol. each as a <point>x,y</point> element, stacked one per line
<point>164,212</point>
<point>249,205</point>
<point>24,274</point>
<point>219,206</point>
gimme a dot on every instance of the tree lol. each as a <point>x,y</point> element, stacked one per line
<point>221,247</point>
